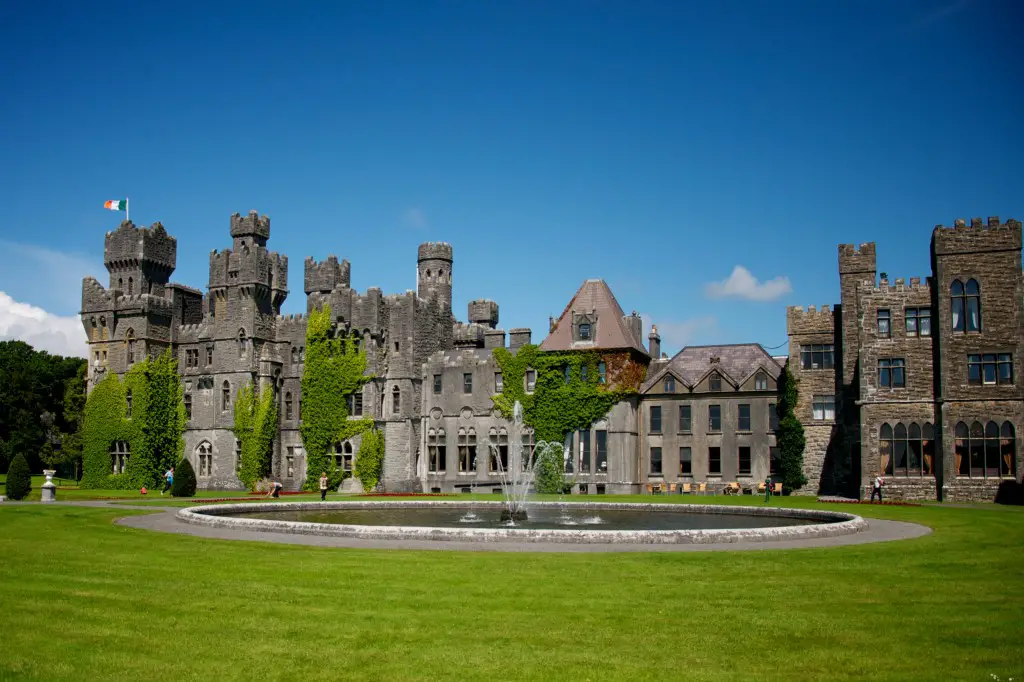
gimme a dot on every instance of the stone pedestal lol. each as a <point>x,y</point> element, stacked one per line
<point>49,490</point>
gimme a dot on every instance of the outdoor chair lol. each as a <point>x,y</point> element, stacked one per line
<point>778,489</point>
<point>702,489</point>
<point>685,489</point>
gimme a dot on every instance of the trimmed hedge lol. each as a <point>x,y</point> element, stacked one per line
<point>184,479</point>
<point>19,478</point>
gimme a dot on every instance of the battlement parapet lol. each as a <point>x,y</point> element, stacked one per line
<point>898,285</point>
<point>468,335</point>
<point>435,251</point>
<point>130,245</point>
<point>810,320</point>
<point>251,225</point>
<point>483,311</point>
<point>95,297</point>
<point>326,275</point>
<point>979,235</point>
<point>854,259</point>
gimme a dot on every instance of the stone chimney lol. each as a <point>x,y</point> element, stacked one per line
<point>654,343</point>
<point>518,337</point>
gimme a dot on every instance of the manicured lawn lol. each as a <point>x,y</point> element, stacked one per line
<point>81,598</point>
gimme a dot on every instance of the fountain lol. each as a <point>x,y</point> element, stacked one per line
<point>517,481</point>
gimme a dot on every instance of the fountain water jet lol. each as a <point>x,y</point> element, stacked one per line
<point>518,479</point>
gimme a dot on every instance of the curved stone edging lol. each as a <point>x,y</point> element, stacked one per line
<point>836,524</point>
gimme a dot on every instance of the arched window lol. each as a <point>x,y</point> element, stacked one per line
<point>128,404</point>
<point>977,451</point>
<point>1007,450</point>
<point>346,456</point>
<point>295,355</point>
<point>907,451</point>
<point>204,458</point>
<point>288,405</point>
<point>761,382</point>
<point>396,400</point>
<point>225,396</point>
<point>885,448</point>
<point>120,284</point>
<point>242,343</point>
<point>188,406</point>
<point>966,305</point>
<point>129,339</point>
<point>131,287</point>
<point>436,451</point>
<point>492,449</point>
<point>503,447</point>
<point>428,274</point>
<point>119,454</point>
<point>467,451</point>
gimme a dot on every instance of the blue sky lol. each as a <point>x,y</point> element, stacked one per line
<point>658,145</point>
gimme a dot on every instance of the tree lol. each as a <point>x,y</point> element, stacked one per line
<point>184,479</point>
<point>790,437</point>
<point>255,428</point>
<point>74,417</point>
<point>548,468</point>
<point>19,480</point>
<point>370,459</point>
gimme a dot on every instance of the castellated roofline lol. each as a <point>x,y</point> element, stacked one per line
<point>129,244</point>
<point>253,225</point>
<point>979,235</point>
<point>435,250</point>
<point>977,223</point>
<point>899,284</point>
<point>810,320</point>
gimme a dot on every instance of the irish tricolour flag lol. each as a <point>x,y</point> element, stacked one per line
<point>116,204</point>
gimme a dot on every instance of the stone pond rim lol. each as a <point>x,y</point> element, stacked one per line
<point>831,524</point>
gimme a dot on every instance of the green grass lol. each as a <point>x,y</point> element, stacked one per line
<point>81,598</point>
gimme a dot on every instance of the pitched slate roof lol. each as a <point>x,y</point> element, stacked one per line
<point>612,332</point>
<point>735,363</point>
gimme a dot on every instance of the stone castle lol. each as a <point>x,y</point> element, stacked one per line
<point>918,380</point>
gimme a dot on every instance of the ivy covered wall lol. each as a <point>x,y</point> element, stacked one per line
<point>558,406</point>
<point>145,411</point>
<point>332,372</point>
<point>255,427</point>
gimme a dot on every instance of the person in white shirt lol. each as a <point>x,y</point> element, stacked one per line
<point>877,488</point>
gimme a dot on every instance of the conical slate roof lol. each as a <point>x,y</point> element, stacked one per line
<point>611,330</point>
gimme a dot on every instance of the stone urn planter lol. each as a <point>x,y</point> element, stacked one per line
<point>48,493</point>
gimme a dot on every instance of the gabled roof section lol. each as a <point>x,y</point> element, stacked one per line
<point>734,362</point>
<point>611,332</point>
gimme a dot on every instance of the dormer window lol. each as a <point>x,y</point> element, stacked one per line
<point>761,382</point>
<point>715,382</point>
<point>585,331</point>
<point>670,384</point>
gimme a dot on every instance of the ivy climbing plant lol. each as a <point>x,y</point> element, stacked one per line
<point>333,371</point>
<point>151,424</point>
<point>255,427</point>
<point>790,436</point>
<point>370,460</point>
<point>568,394</point>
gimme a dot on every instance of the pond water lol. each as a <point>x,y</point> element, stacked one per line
<point>540,518</point>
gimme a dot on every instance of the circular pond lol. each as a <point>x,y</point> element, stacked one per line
<point>593,522</point>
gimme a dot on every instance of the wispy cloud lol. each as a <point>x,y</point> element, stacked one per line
<point>675,333</point>
<point>742,284</point>
<point>56,275</point>
<point>415,217</point>
<point>58,334</point>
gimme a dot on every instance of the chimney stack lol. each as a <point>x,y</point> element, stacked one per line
<point>654,343</point>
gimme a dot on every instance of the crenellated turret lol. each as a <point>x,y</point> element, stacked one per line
<point>434,272</point>
<point>140,260</point>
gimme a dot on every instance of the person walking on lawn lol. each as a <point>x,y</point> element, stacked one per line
<point>323,486</point>
<point>168,480</point>
<point>767,487</point>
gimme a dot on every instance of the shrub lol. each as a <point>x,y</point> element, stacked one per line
<point>790,437</point>
<point>19,479</point>
<point>184,480</point>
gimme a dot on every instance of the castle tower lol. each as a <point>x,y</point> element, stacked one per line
<point>139,260</point>
<point>434,272</point>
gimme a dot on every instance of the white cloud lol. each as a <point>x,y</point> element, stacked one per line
<point>415,217</point>
<point>742,284</point>
<point>40,329</point>
<point>674,335</point>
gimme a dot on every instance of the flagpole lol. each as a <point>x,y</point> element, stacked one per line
<point>127,217</point>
